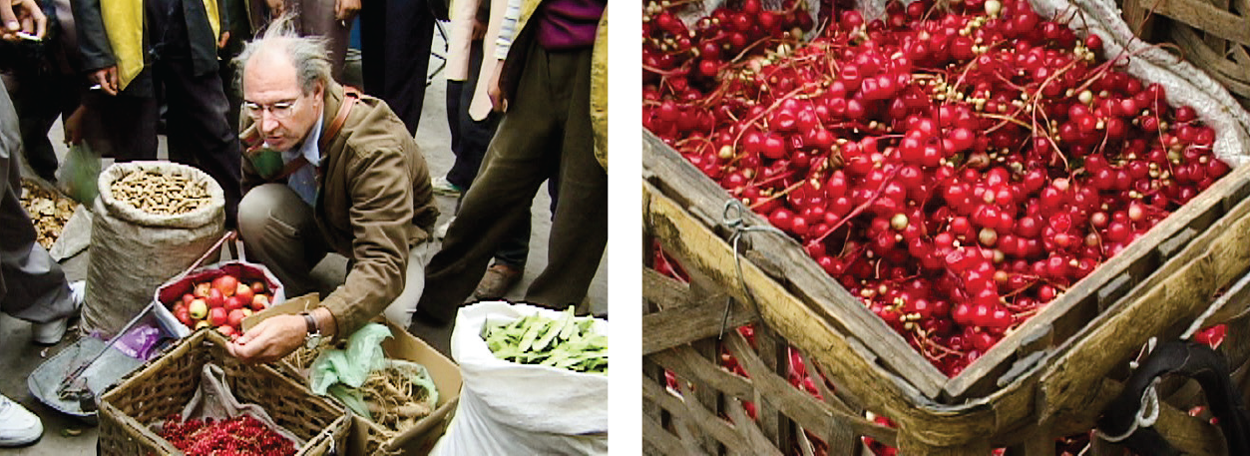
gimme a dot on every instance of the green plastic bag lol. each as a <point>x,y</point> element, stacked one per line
<point>78,177</point>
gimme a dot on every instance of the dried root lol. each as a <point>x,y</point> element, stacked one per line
<point>395,402</point>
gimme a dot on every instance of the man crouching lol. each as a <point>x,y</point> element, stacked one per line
<point>326,168</point>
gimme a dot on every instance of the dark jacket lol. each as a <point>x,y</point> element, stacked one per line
<point>374,203</point>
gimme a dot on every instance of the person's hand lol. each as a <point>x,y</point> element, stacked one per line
<point>345,10</point>
<point>106,78</point>
<point>479,30</point>
<point>271,340</point>
<point>73,126</point>
<point>495,91</point>
<point>225,37</point>
<point>276,7</point>
<point>22,16</point>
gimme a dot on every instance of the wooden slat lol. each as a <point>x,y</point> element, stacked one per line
<point>798,323</point>
<point>659,439</point>
<point>770,351</point>
<point>670,328</point>
<point>665,292</point>
<point>696,415</point>
<point>1210,19</point>
<point>1181,290</point>
<point>803,408</point>
<point>760,444</point>
<point>835,304</point>
<point>687,363</point>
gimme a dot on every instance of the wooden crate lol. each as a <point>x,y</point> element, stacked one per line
<point>1214,35</point>
<point>1048,378</point>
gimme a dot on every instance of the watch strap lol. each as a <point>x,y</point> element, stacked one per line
<point>312,324</point>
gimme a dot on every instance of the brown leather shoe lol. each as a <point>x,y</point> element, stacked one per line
<point>498,280</point>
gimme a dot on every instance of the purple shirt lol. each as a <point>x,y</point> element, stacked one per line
<point>569,24</point>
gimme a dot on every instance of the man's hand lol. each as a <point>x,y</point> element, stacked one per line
<point>345,10</point>
<point>276,7</point>
<point>106,78</point>
<point>22,16</point>
<point>73,126</point>
<point>479,30</point>
<point>225,37</point>
<point>270,340</point>
<point>496,93</point>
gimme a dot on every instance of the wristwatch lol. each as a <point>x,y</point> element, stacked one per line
<point>313,338</point>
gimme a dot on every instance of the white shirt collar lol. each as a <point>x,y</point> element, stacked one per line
<point>310,149</point>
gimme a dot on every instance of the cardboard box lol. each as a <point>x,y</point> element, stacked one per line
<point>365,437</point>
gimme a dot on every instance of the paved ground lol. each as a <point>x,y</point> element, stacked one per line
<point>19,357</point>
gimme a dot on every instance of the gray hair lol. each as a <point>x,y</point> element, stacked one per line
<point>308,54</point>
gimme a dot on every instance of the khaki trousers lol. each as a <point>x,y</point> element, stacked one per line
<point>279,231</point>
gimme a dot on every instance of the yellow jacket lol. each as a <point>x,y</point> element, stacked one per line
<point>111,33</point>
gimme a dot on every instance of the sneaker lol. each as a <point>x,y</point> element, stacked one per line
<point>440,232</point>
<point>18,426</point>
<point>442,186</point>
<point>498,280</point>
<point>50,333</point>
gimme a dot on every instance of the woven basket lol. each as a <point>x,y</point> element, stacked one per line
<point>1211,34</point>
<point>164,386</point>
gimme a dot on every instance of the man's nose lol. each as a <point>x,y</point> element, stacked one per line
<point>268,123</point>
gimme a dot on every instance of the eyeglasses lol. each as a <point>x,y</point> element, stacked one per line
<point>281,110</point>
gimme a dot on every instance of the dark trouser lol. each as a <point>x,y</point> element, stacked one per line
<point>546,128</point>
<point>395,38</point>
<point>40,97</point>
<point>316,18</point>
<point>196,124</point>
<point>469,140</point>
<point>32,285</point>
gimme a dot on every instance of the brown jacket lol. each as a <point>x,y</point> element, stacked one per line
<point>374,203</point>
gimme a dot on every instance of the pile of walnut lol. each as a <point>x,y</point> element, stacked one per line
<point>161,194</point>
<point>48,211</point>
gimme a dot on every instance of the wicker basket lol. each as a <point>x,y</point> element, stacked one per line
<point>1211,34</point>
<point>164,386</point>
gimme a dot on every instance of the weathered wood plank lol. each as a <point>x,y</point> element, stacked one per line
<point>687,363</point>
<point>1204,16</point>
<point>670,328</point>
<point>760,444</point>
<point>1212,260</point>
<point>659,439</point>
<point>694,414</point>
<point>680,179</point>
<point>799,324</point>
<point>771,352</point>
<point>665,292</point>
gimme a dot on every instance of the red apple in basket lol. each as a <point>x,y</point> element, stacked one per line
<point>235,303</point>
<point>236,318</point>
<point>227,284</point>
<point>247,312</point>
<point>244,293</point>
<point>185,317</point>
<point>187,298</point>
<point>217,316</point>
<point>260,302</point>
<point>258,287</point>
<point>215,298</point>
<point>198,309</point>
<point>201,289</point>
<point>226,330</point>
<point>179,307</point>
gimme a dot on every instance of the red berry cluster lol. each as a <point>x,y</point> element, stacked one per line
<point>955,168</point>
<point>239,436</point>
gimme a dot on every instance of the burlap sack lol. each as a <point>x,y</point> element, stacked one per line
<point>133,252</point>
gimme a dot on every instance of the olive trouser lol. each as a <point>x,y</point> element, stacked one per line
<point>279,231</point>
<point>547,128</point>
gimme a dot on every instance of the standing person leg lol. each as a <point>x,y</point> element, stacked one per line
<point>513,170</point>
<point>197,126</point>
<point>579,233</point>
<point>317,18</point>
<point>35,98</point>
<point>32,285</point>
<point>395,39</point>
<point>127,124</point>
